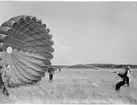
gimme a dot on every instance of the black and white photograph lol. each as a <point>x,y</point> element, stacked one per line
<point>68,52</point>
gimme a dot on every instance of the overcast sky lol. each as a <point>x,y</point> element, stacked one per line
<point>84,32</point>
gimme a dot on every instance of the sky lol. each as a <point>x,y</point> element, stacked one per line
<point>84,32</point>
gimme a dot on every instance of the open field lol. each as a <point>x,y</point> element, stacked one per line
<point>75,86</point>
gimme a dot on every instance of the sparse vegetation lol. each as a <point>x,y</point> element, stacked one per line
<point>74,86</point>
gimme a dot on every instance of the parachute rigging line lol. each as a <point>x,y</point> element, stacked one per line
<point>34,33</point>
<point>31,51</point>
<point>36,29</point>
<point>23,41</point>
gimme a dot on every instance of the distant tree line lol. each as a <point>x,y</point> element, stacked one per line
<point>104,66</point>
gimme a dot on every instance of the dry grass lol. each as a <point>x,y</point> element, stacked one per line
<point>74,86</point>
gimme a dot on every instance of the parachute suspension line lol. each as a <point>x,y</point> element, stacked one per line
<point>16,46</point>
<point>37,30</point>
<point>26,66</point>
<point>34,34</point>
<point>16,59</point>
<point>14,70</point>
<point>23,41</point>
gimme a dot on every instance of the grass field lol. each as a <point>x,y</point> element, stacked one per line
<point>74,86</point>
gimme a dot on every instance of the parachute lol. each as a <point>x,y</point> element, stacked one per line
<point>25,45</point>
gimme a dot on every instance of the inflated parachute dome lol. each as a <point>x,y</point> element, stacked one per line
<point>25,45</point>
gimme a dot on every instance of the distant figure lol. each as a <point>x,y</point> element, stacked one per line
<point>126,78</point>
<point>51,72</point>
<point>4,77</point>
<point>59,69</point>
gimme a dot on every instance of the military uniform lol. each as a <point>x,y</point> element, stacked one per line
<point>51,72</point>
<point>126,78</point>
<point>3,81</point>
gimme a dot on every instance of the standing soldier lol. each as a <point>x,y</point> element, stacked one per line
<point>51,72</point>
<point>4,77</point>
<point>126,78</point>
<point>59,69</point>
